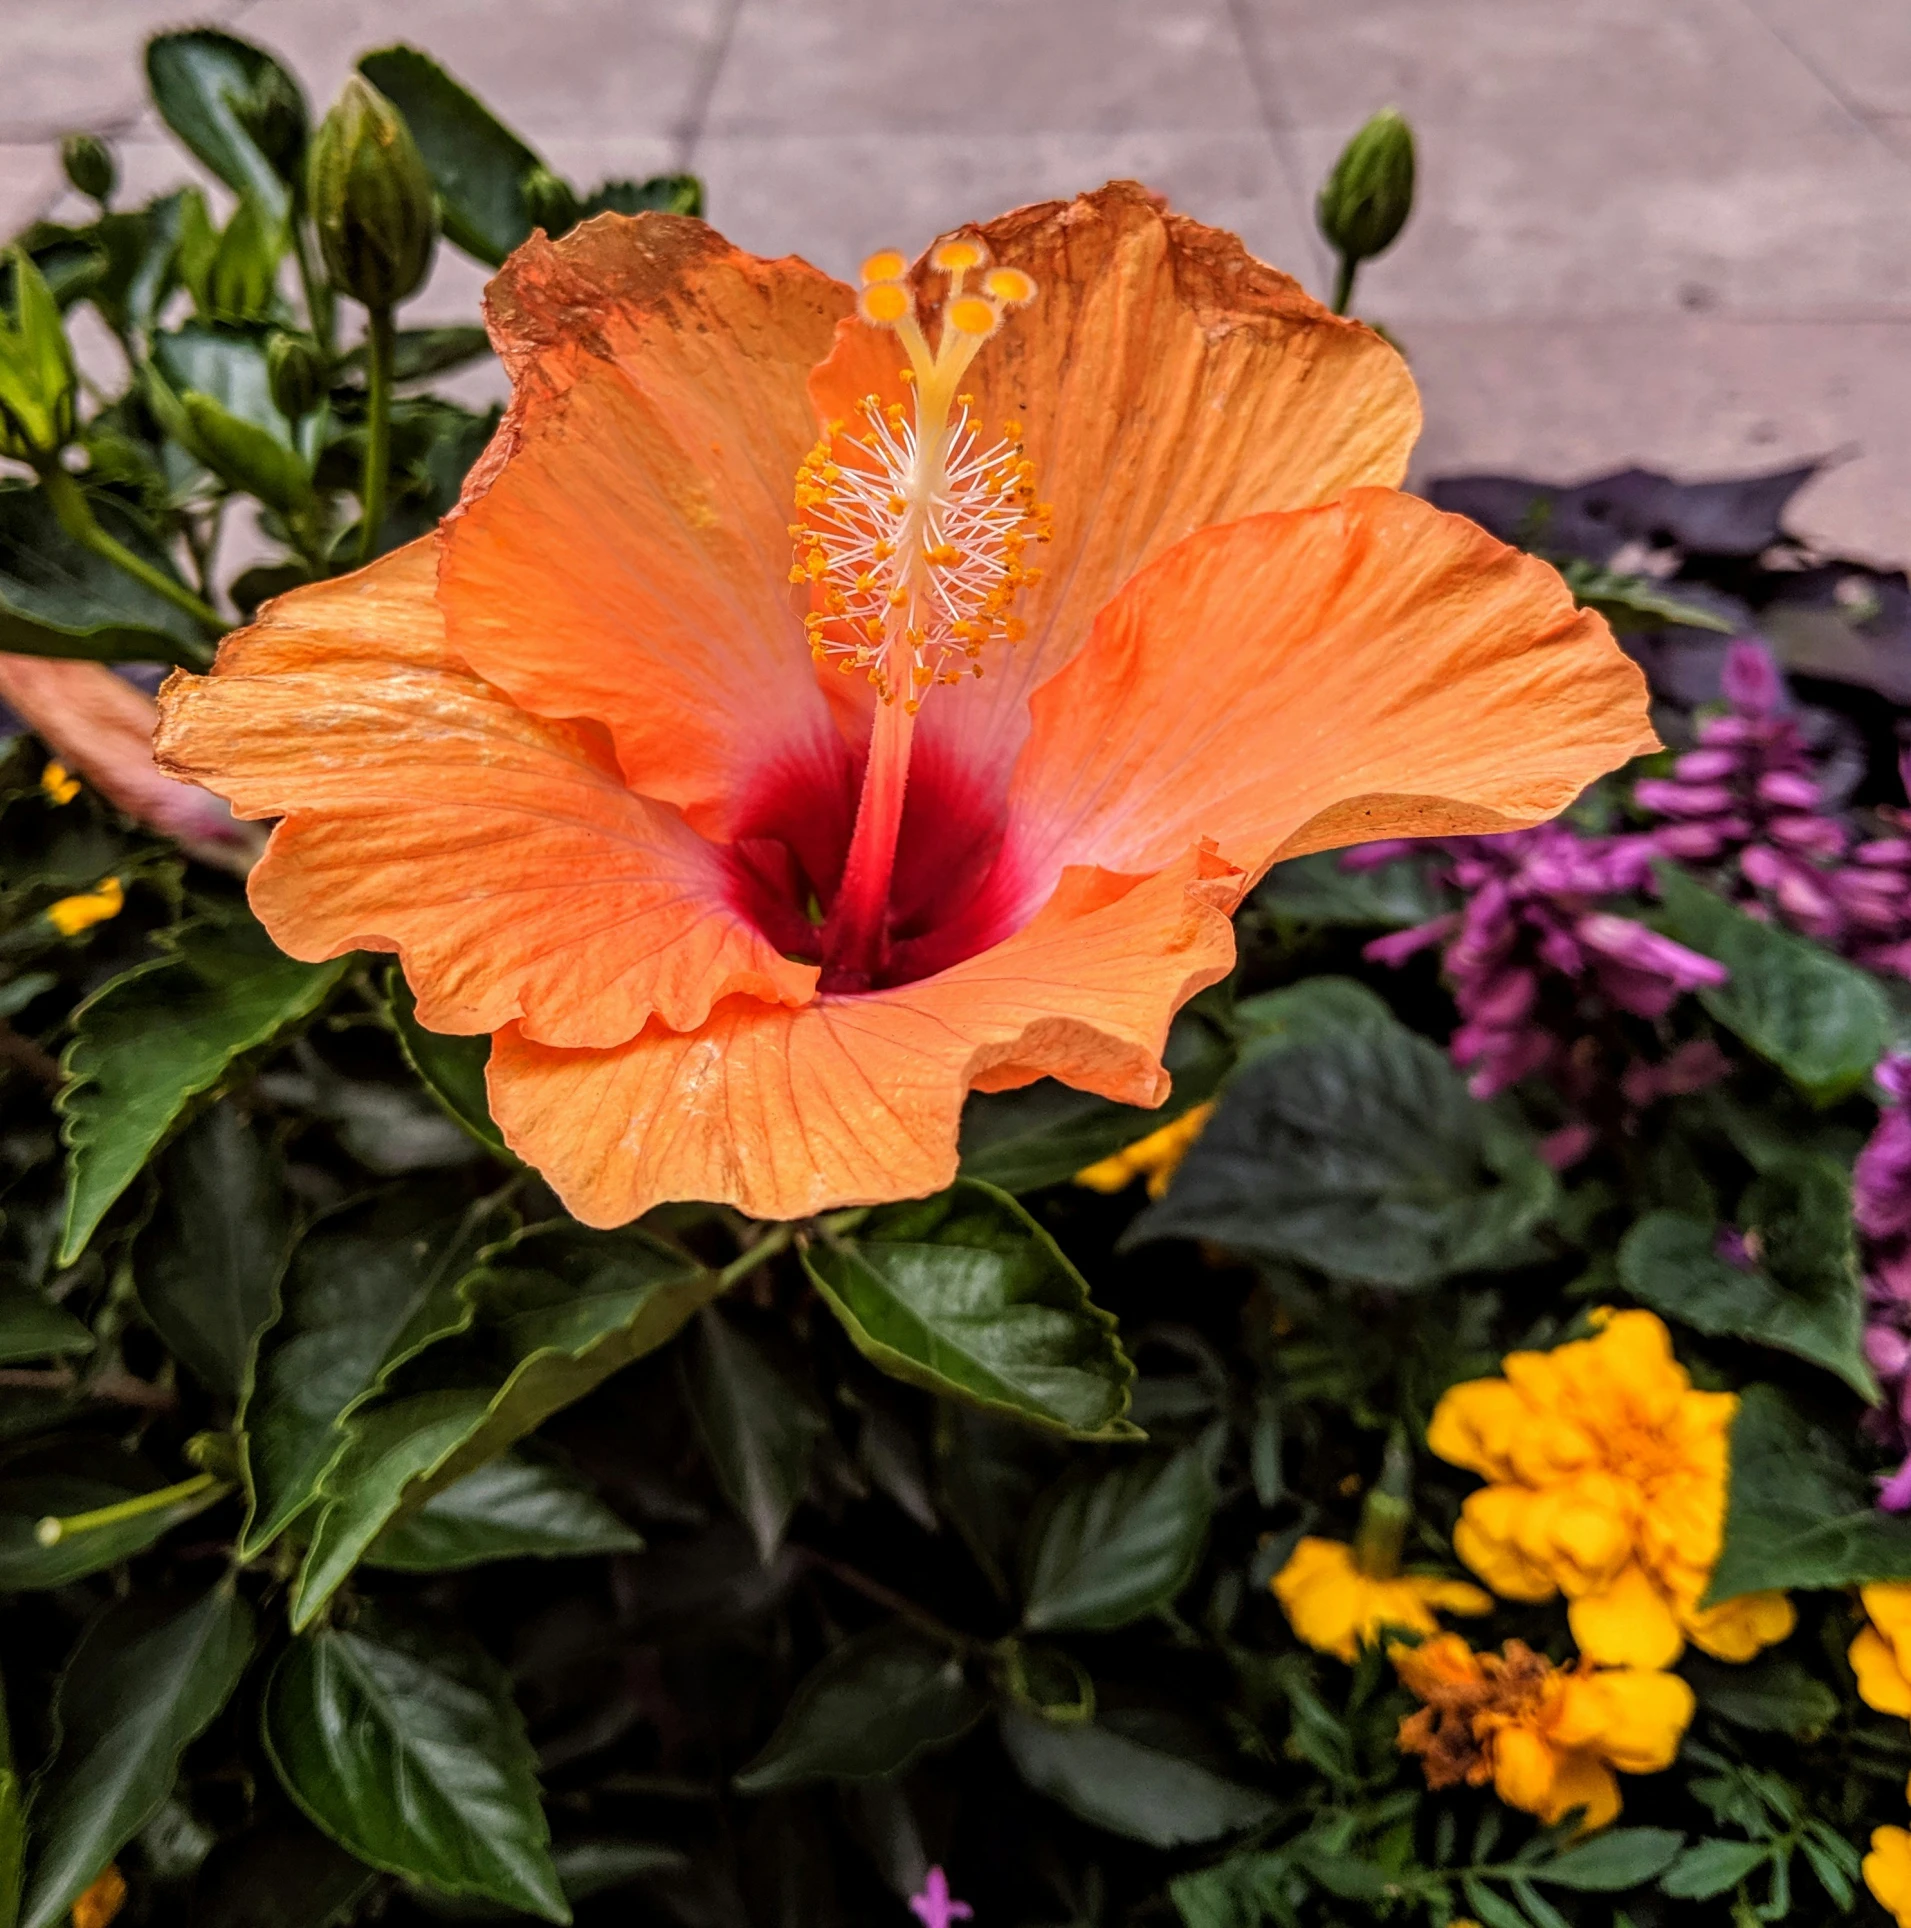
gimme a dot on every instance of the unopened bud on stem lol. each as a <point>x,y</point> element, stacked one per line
<point>296,370</point>
<point>549,201</point>
<point>371,199</point>
<point>1367,198</point>
<point>89,166</point>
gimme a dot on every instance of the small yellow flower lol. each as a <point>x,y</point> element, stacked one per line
<point>1155,1158</point>
<point>59,784</point>
<point>102,1901</point>
<point>71,915</point>
<point>1887,1872</point>
<point>1337,1608</point>
<point>1548,1738</point>
<point>1881,1654</point>
<point>1606,1478</point>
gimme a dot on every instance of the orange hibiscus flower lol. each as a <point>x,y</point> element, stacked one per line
<point>746,928</point>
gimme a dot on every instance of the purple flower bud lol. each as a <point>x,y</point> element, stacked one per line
<point>1887,1351</point>
<point>1707,766</point>
<point>1894,1494</point>
<point>1397,946</point>
<point>1630,943</point>
<point>1750,679</point>
<point>1682,799</point>
<point>1789,788</point>
<point>1884,853</point>
<point>1374,856</point>
<point>1819,836</point>
<point>1691,843</point>
<point>1565,1147</point>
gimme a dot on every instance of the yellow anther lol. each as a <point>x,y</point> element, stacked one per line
<point>1012,430</point>
<point>956,257</point>
<point>799,574</point>
<point>971,315</point>
<point>887,303</point>
<point>886,264</point>
<point>904,375</point>
<point>60,785</point>
<point>1010,285</point>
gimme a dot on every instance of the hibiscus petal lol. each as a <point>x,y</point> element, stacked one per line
<point>852,1100</point>
<point>1165,380</point>
<point>498,853</point>
<point>1290,682</point>
<point>622,550</point>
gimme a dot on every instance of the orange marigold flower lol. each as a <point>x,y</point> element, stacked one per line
<point>666,761</point>
<point>1607,1480</point>
<point>1156,1158</point>
<point>1337,1608</point>
<point>101,1903</point>
<point>1547,1738</point>
<point>1887,1872</point>
<point>1881,1654</point>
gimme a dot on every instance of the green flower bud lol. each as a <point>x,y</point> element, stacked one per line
<point>371,198</point>
<point>549,201</point>
<point>89,166</point>
<point>273,113</point>
<point>1368,196</point>
<point>37,376</point>
<point>297,372</point>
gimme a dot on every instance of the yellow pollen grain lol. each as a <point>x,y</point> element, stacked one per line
<point>886,264</point>
<point>971,315</point>
<point>956,257</point>
<point>887,302</point>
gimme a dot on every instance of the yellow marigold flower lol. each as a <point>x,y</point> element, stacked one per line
<point>71,915</point>
<point>1337,1608</point>
<point>1606,1478</point>
<point>102,1901</point>
<point>1881,1654</point>
<point>1548,1738</point>
<point>1156,1158</point>
<point>1887,1872</point>
<point>59,784</point>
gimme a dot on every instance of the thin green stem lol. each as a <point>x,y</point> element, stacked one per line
<point>1344,283</point>
<point>773,1242</point>
<point>53,1529</point>
<point>380,342</point>
<point>75,514</point>
<point>321,306</point>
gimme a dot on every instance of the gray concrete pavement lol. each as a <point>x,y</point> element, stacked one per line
<point>1670,231</point>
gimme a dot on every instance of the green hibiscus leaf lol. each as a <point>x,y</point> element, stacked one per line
<point>407,1749</point>
<point>867,1711</point>
<point>208,1267</point>
<point>1107,1545</point>
<point>147,1677</point>
<point>155,1038</point>
<point>1129,1783</point>
<point>967,1297</point>
<point>1357,1150</point>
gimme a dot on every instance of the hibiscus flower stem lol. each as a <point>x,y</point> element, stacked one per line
<point>856,937</point>
<point>380,344</point>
